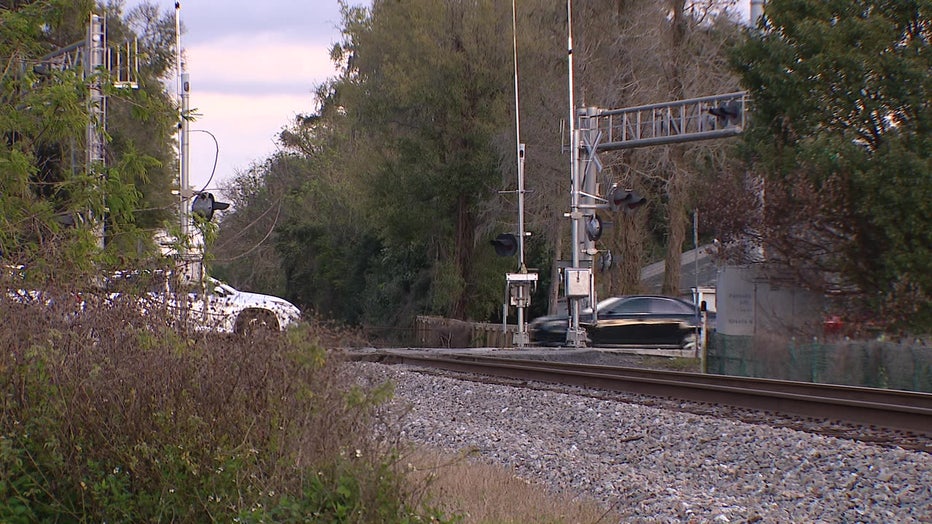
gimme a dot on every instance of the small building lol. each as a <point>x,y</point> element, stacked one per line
<point>698,276</point>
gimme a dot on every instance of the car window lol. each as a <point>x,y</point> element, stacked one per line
<point>668,306</point>
<point>604,305</point>
<point>633,306</point>
<point>135,281</point>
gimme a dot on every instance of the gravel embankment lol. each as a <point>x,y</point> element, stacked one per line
<point>665,466</point>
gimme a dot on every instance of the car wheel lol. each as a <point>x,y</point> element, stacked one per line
<point>254,321</point>
<point>689,342</point>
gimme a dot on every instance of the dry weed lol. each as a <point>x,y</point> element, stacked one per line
<point>484,493</point>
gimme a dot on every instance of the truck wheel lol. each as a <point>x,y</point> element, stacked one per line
<point>254,321</point>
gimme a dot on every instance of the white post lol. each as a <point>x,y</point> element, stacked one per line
<point>96,48</point>
<point>183,131</point>
<point>191,262</point>
<point>757,11</point>
<point>520,336</point>
<point>574,334</point>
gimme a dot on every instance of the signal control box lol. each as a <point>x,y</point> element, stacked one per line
<point>578,282</point>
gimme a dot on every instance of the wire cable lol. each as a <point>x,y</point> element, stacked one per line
<point>216,157</point>
<point>259,243</point>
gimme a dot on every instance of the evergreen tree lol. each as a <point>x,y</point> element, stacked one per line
<point>841,139</point>
<point>426,90</point>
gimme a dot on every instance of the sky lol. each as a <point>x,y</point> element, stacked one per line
<point>253,66</point>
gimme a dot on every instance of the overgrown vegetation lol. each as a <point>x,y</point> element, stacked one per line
<point>107,415</point>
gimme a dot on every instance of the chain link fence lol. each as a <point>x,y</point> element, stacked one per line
<point>905,365</point>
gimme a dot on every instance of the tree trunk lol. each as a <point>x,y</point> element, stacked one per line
<point>629,231</point>
<point>677,183</point>
<point>463,259</point>
<point>676,227</point>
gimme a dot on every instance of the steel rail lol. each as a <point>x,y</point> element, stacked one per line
<point>891,409</point>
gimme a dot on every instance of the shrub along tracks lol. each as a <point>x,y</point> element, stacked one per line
<point>886,417</point>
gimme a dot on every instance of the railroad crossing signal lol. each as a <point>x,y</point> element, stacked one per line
<point>594,227</point>
<point>728,113</point>
<point>601,130</point>
<point>506,245</point>
<point>204,205</point>
<point>87,57</point>
<point>671,122</point>
<point>606,261</point>
<point>624,200</point>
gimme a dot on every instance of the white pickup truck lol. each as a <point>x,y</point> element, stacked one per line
<point>213,306</point>
<point>224,309</point>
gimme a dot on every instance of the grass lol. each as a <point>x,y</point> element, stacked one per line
<point>673,363</point>
<point>482,493</point>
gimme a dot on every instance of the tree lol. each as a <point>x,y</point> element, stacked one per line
<point>298,226</point>
<point>841,141</point>
<point>425,87</point>
<point>403,161</point>
<point>41,113</point>
<point>142,122</point>
<point>50,196</point>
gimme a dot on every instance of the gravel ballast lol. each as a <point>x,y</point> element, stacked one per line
<point>658,465</point>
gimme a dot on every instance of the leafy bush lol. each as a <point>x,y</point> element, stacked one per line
<point>110,415</point>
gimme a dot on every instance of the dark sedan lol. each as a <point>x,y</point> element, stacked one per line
<point>636,320</point>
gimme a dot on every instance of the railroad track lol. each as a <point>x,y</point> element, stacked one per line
<point>894,410</point>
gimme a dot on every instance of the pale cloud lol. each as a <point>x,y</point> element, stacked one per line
<point>244,90</point>
<point>296,20</point>
<point>246,128</point>
<point>258,63</point>
<point>253,66</point>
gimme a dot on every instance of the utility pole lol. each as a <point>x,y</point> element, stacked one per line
<point>189,250</point>
<point>183,130</point>
<point>520,284</point>
<point>95,57</point>
<point>191,260</point>
<point>577,279</point>
<point>97,110</point>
